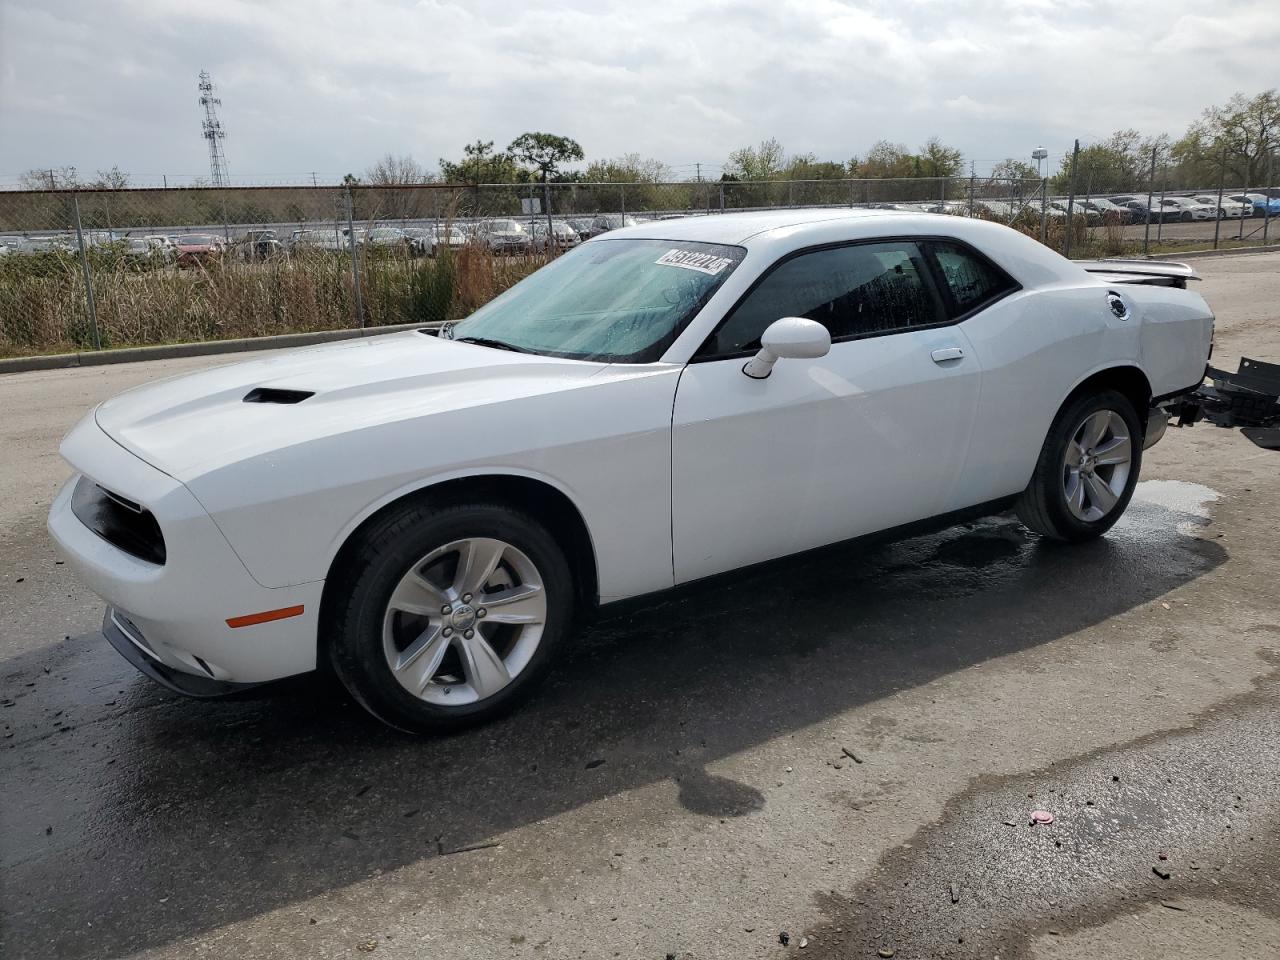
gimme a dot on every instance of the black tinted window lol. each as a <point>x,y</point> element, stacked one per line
<point>973,280</point>
<point>853,291</point>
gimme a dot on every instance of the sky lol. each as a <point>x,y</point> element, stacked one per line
<point>326,87</point>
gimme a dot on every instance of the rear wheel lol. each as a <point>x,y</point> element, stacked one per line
<point>1087,469</point>
<point>446,617</point>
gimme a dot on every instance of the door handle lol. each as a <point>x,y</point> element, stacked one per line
<point>947,353</point>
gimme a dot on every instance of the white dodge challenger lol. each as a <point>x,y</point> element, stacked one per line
<point>426,512</point>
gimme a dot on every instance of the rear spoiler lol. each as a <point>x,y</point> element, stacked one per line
<point>1153,273</point>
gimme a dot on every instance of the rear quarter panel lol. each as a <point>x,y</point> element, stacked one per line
<point>1035,348</point>
<point>1175,332</point>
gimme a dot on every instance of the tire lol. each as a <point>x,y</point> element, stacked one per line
<point>1058,509</point>
<point>1186,218</point>
<point>475,662</point>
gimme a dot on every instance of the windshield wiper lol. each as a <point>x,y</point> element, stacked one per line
<point>496,344</point>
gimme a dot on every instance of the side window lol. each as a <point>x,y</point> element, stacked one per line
<point>853,291</point>
<point>973,281</point>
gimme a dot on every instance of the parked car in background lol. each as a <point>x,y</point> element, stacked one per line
<point>561,236</point>
<point>56,243</point>
<point>1260,202</point>
<point>9,245</point>
<point>260,245</point>
<point>504,236</point>
<point>401,239</point>
<point>1079,210</point>
<point>198,249</point>
<point>582,225</point>
<point>426,515</point>
<point>1108,212</point>
<point>610,221</point>
<point>1187,209</point>
<point>324,238</point>
<point>1142,211</point>
<point>447,238</point>
<point>1229,208</point>
<point>162,245</point>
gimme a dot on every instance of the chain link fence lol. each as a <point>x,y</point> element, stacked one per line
<point>87,269</point>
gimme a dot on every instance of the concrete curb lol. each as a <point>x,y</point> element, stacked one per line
<point>93,358</point>
<point>1209,254</point>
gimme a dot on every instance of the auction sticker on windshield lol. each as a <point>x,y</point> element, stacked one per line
<point>691,260</point>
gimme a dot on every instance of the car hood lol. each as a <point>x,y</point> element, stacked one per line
<point>191,424</point>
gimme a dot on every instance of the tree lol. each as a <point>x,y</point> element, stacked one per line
<point>480,164</point>
<point>808,167</point>
<point>545,152</point>
<point>765,162</point>
<point>629,168</point>
<point>936,159</point>
<point>113,179</point>
<point>52,178</point>
<point>393,171</point>
<point>1246,130</point>
<point>884,159</point>
<point>1119,164</point>
<point>1013,169</point>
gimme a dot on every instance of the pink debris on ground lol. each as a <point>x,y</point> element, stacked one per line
<point>1041,816</point>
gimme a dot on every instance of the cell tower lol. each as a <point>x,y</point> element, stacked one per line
<point>213,131</point>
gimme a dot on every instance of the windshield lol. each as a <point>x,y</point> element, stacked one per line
<point>198,240</point>
<point>614,300</point>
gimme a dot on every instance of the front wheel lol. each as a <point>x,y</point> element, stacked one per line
<point>445,617</point>
<point>1087,469</point>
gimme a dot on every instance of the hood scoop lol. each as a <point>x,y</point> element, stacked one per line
<point>276,395</point>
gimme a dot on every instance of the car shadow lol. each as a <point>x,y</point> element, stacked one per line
<point>121,796</point>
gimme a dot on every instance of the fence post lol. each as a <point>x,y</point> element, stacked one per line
<point>1266,204</point>
<point>1071,201</point>
<point>1160,222</point>
<point>546,202</point>
<point>1222,179</point>
<point>88,276</point>
<point>622,200</point>
<point>1151,187</point>
<point>1044,210</point>
<point>971,186</point>
<point>722,198</point>
<point>1244,193</point>
<point>355,261</point>
<point>942,204</point>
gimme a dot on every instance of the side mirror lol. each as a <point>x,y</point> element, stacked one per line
<point>791,337</point>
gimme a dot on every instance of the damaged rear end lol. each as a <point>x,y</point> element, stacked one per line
<point>1248,399</point>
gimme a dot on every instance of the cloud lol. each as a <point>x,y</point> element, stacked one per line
<point>327,86</point>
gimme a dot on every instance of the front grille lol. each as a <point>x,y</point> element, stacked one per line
<point>119,521</point>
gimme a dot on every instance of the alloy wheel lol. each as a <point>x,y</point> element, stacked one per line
<point>464,621</point>
<point>1096,465</point>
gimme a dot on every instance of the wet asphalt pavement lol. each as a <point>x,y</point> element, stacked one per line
<point>684,783</point>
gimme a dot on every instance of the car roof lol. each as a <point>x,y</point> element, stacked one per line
<point>738,228</point>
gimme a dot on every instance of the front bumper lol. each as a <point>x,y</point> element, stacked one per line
<point>129,642</point>
<point>181,607</point>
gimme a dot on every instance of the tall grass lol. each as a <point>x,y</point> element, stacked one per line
<point>43,304</point>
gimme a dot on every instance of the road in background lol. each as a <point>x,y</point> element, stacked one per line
<point>847,752</point>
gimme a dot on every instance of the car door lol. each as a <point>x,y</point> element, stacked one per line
<point>868,437</point>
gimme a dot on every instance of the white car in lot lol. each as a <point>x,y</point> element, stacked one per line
<point>1187,209</point>
<point>1228,208</point>
<point>669,402</point>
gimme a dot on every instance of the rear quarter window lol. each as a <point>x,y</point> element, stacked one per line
<point>972,279</point>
